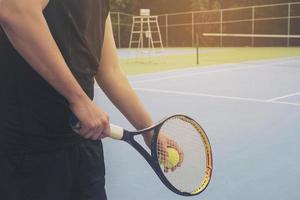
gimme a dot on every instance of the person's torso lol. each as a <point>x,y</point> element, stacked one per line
<point>30,109</point>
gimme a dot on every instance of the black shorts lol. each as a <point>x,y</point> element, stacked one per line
<point>75,172</point>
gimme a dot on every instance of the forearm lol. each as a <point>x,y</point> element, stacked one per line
<point>116,86</point>
<point>114,83</point>
<point>29,33</point>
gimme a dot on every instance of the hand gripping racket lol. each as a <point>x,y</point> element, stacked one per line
<point>180,155</point>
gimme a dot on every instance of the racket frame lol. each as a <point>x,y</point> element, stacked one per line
<point>153,161</point>
<point>119,133</point>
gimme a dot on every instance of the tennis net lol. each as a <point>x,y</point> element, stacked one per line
<point>252,40</point>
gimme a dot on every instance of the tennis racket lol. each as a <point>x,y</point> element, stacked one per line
<point>180,152</point>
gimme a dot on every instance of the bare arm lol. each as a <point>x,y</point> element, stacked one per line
<point>27,30</point>
<point>113,81</point>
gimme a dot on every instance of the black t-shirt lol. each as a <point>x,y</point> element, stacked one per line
<point>34,116</point>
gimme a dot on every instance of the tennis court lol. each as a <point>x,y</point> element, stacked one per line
<point>250,111</point>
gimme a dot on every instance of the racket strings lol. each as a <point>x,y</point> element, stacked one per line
<point>187,139</point>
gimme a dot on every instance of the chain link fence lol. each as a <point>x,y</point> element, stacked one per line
<point>186,29</point>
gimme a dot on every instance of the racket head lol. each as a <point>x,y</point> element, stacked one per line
<point>184,131</point>
<point>194,150</point>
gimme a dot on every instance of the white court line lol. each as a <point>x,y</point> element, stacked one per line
<point>194,74</point>
<point>282,60</point>
<point>238,67</point>
<point>213,96</point>
<point>197,94</point>
<point>283,97</point>
<point>255,62</point>
<point>286,103</point>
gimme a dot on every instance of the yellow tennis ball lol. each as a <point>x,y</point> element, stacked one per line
<point>173,158</point>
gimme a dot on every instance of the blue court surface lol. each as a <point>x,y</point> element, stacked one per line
<point>251,113</point>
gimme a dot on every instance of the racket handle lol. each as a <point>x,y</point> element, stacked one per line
<point>116,132</point>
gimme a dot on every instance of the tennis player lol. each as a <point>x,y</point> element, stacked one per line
<point>51,51</point>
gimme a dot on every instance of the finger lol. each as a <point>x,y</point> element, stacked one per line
<point>173,169</point>
<point>102,136</point>
<point>171,143</point>
<point>95,134</point>
<point>163,149</point>
<point>181,158</point>
<point>181,155</point>
<point>166,170</point>
<point>84,131</point>
<point>106,132</point>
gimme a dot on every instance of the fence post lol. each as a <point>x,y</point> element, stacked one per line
<point>119,31</point>
<point>221,28</point>
<point>253,26</point>
<point>167,30</point>
<point>289,25</point>
<point>193,29</point>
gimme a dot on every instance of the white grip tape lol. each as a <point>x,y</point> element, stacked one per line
<point>116,132</point>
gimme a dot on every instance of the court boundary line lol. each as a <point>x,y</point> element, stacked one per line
<point>282,59</point>
<point>194,74</point>
<point>284,97</point>
<point>213,96</point>
<point>189,74</point>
